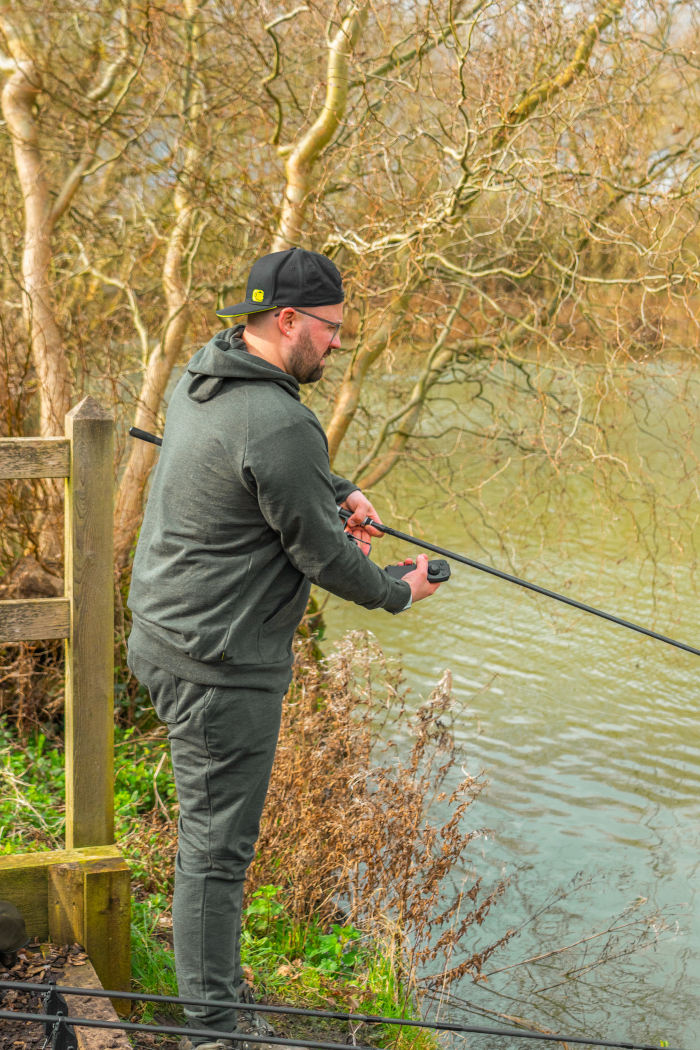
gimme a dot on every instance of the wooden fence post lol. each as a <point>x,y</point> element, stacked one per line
<point>89,732</point>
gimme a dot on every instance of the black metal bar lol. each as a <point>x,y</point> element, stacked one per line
<point>172,1030</point>
<point>296,1011</point>
<point>529,586</point>
<point>143,435</point>
<point>130,1026</point>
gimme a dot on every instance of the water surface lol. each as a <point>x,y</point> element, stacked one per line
<point>589,737</point>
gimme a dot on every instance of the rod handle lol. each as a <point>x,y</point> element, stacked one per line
<point>143,435</point>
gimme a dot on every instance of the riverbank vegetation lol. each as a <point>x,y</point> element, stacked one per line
<point>350,901</point>
<point>510,192</point>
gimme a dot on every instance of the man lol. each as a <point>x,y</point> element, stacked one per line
<point>242,517</point>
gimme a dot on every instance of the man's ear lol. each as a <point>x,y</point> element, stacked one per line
<point>286,320</point>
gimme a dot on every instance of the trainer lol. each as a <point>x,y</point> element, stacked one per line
<point>242,518</point>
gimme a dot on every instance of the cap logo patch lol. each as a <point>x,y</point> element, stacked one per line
<point>258,295</point>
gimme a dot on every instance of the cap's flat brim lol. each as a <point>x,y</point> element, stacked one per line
<point>243,308</point>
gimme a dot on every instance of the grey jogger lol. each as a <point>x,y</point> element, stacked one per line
<point>223,741</point>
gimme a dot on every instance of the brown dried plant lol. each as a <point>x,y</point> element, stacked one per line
<point>365,817</point>
<point>364,814</point>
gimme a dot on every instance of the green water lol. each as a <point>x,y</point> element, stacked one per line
<point>588,734</point>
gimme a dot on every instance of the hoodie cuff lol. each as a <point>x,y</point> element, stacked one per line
<point>408,605</point>
<point>343,488</point>
<point>400,597</point>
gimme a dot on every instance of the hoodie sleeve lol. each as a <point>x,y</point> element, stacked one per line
<point>297,495</point>
<point>342,488</point>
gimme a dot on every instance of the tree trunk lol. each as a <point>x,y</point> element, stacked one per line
<point>349,394</point>
<point>305,153</point>
<point>388,461</point>
<point>161,361</point>
<point>18,98</point>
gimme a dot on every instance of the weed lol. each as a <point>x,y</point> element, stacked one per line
<point>32,786</point>
<point>152,961</point>
<point>347,899</point>
<point>32,790</point>
<point>351,817</point>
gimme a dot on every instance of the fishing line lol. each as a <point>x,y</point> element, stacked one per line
<point>496,675</point>
<point>362,1018</point>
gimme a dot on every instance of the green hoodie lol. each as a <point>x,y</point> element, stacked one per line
<point>241,519</point>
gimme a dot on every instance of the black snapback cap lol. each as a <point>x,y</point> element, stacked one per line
<point>294,277</point>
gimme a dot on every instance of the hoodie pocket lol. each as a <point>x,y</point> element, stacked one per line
<point>162,686</point>
<point>277,632</point>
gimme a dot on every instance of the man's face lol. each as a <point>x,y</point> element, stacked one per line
<point>316,339</point>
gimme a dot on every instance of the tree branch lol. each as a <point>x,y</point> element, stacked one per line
<point>304,154</point>
<point>549,88</point>
<point>274,140</point>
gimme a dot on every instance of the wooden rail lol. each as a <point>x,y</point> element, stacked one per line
<point>34,619</point>
<point>34,457</point>
<point>84,617</point>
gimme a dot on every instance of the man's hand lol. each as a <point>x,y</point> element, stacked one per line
<point>418,579</point>
<point>361,508</point>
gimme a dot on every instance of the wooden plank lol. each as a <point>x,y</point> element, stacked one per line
<point>26,886</point>
<point>66,903</point>
<point>31,619</point>
<point>24,881</point>
<point>25,861</point>
<point>108,923</point>
<point>34,458</point>
<point>89,733</point>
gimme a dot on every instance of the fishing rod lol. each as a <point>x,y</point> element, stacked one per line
<point>346,514</point>
<point>440,1026</point>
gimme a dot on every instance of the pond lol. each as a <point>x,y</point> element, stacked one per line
<point>588,735</point>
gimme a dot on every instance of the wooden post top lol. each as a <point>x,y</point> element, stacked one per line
<point>89,408</point>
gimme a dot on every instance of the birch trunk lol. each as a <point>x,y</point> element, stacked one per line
<point>305,153</point>
<point>159,368</point>
<point>18,99</point>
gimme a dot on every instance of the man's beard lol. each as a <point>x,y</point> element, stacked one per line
<point>303,362</point>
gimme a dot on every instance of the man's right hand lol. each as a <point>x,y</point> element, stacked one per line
<point>418,579</point>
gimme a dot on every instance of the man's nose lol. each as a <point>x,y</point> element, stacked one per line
<point>335,341</point>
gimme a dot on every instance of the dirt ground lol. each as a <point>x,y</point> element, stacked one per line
<point>38,962</point>
<point>34,964</point>
<point>299,1028</point>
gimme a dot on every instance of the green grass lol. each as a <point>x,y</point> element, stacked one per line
<point>298,964</point>
<point>32,791</point>
<point>33,783</point>
<point>152,962</point>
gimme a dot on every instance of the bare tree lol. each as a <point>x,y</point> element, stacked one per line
<point>510,191</point>
<point>182,243</point>
<point>91,112</point>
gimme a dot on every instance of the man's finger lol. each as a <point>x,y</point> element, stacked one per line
<point>371,513</point>
<point>358,521</point>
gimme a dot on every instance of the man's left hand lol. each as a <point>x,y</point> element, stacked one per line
<point>361,508</point>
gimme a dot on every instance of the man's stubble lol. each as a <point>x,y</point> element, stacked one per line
<point>303,362</point>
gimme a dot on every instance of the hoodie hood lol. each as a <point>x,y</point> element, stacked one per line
<point>226,357</point>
